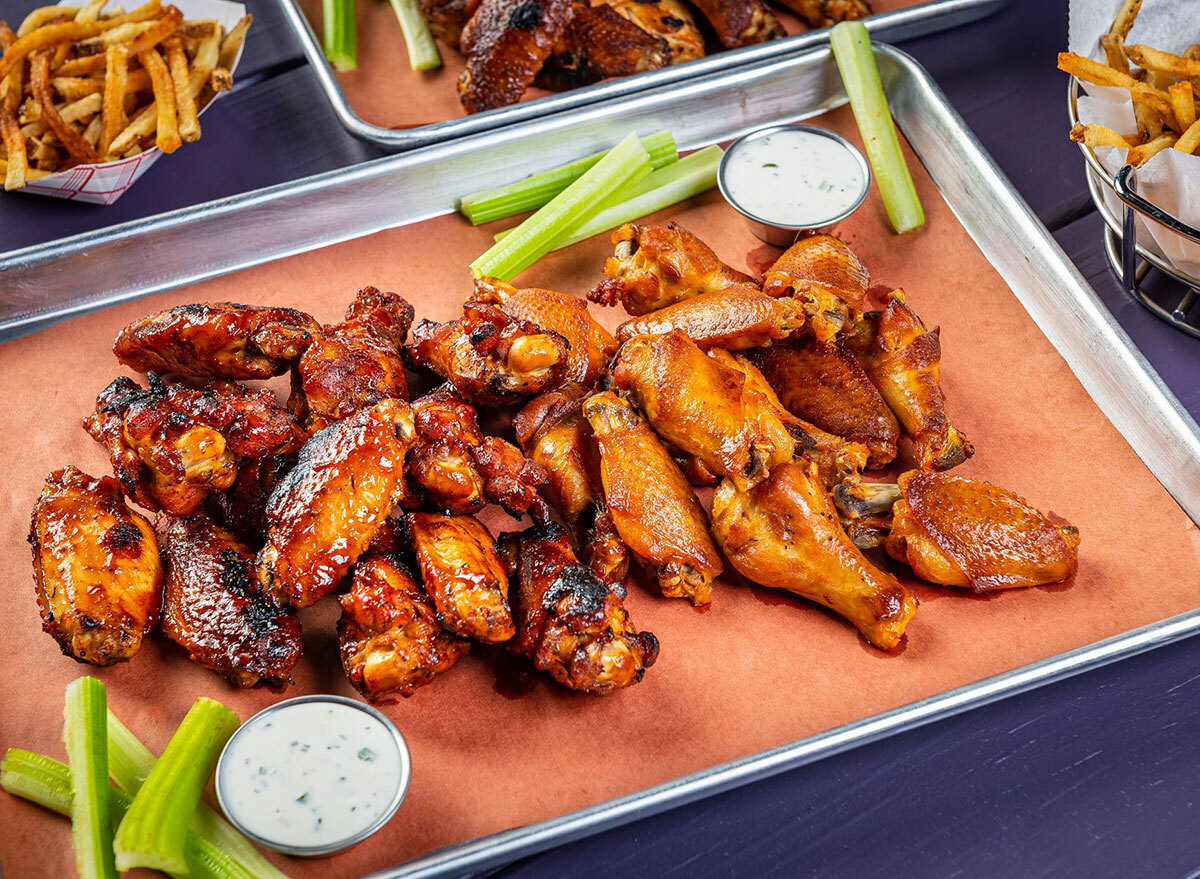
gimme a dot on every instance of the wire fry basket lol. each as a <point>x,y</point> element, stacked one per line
<point>1130,261</point>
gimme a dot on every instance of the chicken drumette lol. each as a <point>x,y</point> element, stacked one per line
<point>506,43</point>
<point>736,318</point>
<point>823,273</point>
<point>96,568</point>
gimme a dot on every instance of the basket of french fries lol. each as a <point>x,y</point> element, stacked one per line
<point>1133,110</point>
<point>91,95</point>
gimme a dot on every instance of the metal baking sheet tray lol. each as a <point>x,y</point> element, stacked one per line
<point>893,26</point>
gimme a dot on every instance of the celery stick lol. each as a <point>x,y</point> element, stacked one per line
<point>84,713</point>
<point>625,164</point>
<point>341,33</point>
<point>533,192</point>
<point>851,46</point>
<point>154,830</point>
<point>422,51</point>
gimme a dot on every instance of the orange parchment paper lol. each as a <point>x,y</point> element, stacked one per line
<point>383,90</point>
<point>756,670</point>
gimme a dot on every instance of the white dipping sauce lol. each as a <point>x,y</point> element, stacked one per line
<point>310,775</point>
<point>793,178</point>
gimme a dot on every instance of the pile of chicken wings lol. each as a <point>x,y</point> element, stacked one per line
<point>782,394</point>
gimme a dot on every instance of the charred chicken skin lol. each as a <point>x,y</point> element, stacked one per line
<point>323,514</point>
<point>825,385</point>
<point>784,533</point>
<point>740,23</point>
<point>966,532</point>
<point>355,364</point>
<point>212,607</point>
<point>96,568</point>
<point>490,358</point>
<point>506,43</point>
<point>823,273</point>
<point>903,360</point>
<point>171,446</point>
<point>217,340</point>
<point>590,345</point>
<point>390,639</point>
<point>736,318</point>
<point>463,574</point>
<point>568,622</point>
<point>654,509</point>
<point>825,13</point>
<point>656,266</point>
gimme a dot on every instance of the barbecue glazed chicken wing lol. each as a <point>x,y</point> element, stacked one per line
<point>825,385</point>
<point>390,639</point>
<point>654,509</point>
<point>966,532</point>
<point>491,359</point>
<point>355,364</point>
<point>463,574</point>
<point>823,273</point>
<point>736,318</point>
<point>324,512</point>
<point>171,446</point>
<point>217,340</point>
<point>656,266</point>
<point>568,622</point>
<point>903,360</point>
<point>506,43</point>
<point>825,13</point>
<point>96,568</point>
<point>740,23</point>
<point>591,346</point>
<point>212,607</point>
<point>784,533</point>
<point>243,507</point>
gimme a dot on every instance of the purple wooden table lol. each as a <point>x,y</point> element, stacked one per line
<point>1091,777</point>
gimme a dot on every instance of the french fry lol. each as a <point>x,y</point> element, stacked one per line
<point>169,23</point>
<point>1183,103</point>
<point>1101,135</point>
<point>10,86</point>
<point>198,28</point>
<point>92,133</point>
<point>90,11</point>
<point>142,124</point>
<point>121,34</point>
<point>44,14</point>
<point>112,113</point>
<point>1125,18</point>
<point>185,103</point>
<point>30,173</point>
<point>167,138</point>
<point>1144,93</point>
<point>78,148</point>
<point>208,51</point>
<point>44,153</point>
<point>1114,50</point>
<point>73,87</point>
<point>1150,122</point>
<point>221,80</point>
<point>17,167</point>
<point>1190,140</point>
<point>1139,155</point>
<point>233,41</point>
<point>1093,71</point>
<point>81,110</point>
<point>1158,61</point>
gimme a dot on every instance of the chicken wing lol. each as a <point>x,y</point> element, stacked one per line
<point>826,386</point>
<point>355,364</point>
<point>740,23</point>
<point>171,445</point>
<point>903,360</point>
<point>447,18</point>
<point>700,406</point>
<point>390,639</point>
<point>323,514</point>
<point>590,345</point>
<point>217,340</point>
<point>568,622</point>
<point>96,568</point>
<point>654,509</point>
<point>506,43</point>
<point>463,574</point>
<point>491,359</point>
<point>823,273</point>
<point>825,13</point>
<point>655,266</point>
<point>966,532</point>
<point>736,318</point>
<point>243,507</point>
<point>212,607</point>
<point>784,533</point>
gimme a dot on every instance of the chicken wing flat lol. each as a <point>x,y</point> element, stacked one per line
<point>96,568</point>
<point>591,345</point>
<point>491,359</point>
<point>736,318</point>
<point>463,574</point>
<point>825,385</point>
<point>171,445</point>
<point>243,507</point>
<point>569,623</point>
<point>355,364</point>
<point>670,20</point>
<point>390,639</point>
<point>654,509</point>
<point>217,340</point>
<point>212,607</point>
<point>784,533</point>
<point>506,43</point>
<point>823,273</point>
<point>740,23</point>
<point>903,360</point>
<point>324,512</point>
<point>966,532</point>
<point>700,406</point>
<point>826,13</point>
<point>447,18</point>
<point>656,266</point>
